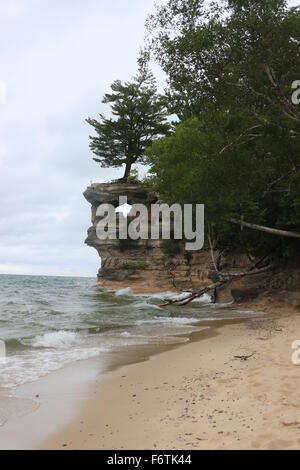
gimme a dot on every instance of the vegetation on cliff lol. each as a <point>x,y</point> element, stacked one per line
<point>139,116</point>
<point>231,69</point>
<point>236,147</point>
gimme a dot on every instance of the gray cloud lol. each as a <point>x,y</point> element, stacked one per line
<point>57,59</point>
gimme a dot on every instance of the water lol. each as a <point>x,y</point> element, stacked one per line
<point>49,322</point>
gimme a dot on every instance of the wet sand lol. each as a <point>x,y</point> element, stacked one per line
<point>37,410</point>
<point>199,395</point>
<point>196,395</point>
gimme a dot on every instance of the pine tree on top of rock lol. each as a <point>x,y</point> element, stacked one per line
<point>138,118</point>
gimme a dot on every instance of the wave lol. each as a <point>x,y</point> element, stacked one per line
<point>15,344</point>
<point>56,340</point>
<point>126,334</point>
<point>48,323</point>
<point>2,350</point>
<point>204,299</point>
<point>169,320</point>
<point>20,369</point>
<point>169,295</point>
<point>126,291</point>
<point>146,306</point>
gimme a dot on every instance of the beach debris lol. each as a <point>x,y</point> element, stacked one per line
<point>243,357</point>
<point>222,279</point>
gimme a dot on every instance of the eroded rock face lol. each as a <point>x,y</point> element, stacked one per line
<point>108,193</point>
<point>144,265</point>
<point>155,266</point>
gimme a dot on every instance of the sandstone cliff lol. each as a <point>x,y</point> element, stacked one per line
<point>144,265</point>
<point>158,266</point>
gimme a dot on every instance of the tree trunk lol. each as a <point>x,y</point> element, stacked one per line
<point>127,172</point>
<point>261,228</point>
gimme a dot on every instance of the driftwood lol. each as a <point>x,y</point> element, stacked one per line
<point>192,295</point>
<point>224,279</point>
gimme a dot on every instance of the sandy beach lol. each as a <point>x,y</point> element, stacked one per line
<point>199,395</point>
<point>150,227</point>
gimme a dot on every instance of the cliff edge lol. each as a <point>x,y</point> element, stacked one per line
<point>148,266</point>
<point>143,265</point>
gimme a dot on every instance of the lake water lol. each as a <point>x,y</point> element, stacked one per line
<point>50,322</point>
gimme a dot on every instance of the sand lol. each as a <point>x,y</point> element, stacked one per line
<point>199,395</point>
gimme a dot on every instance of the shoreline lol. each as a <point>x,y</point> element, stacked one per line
<point>199,396</point>
<point>45,406</point>
<point>193,395</point>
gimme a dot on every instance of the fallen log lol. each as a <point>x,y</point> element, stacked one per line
<point>192,295</point>
<point>226,278</point>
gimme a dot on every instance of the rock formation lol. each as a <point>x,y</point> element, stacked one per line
<point>159,266</point>
<point>143,265</point>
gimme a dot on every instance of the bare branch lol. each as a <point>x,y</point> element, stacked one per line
<point>212,253</point>
<point>230,277</point>
<point>261,228</point>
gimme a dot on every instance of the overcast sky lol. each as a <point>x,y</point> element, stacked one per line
<point>57,59</point>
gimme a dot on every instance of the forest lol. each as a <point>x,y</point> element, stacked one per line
<point>226,131</point>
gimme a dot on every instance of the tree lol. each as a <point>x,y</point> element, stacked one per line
<point>230,69</point>
<point>234,53</point>
<point>139,117</point>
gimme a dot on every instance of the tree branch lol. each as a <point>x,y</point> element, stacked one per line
<point>261,228</point>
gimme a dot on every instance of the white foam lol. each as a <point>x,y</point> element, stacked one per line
<point>56,340</point>
<point>163,295</point>
<point>205,298</point>
<point>20,369</point>
<point>2,351</point>
<point>145,305</point>
<point>125,291</point>
<point>168,320</point>
<point>125,334</point>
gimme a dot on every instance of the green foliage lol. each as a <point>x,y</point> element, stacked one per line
<point>128,244</point>
<point>133,178</point>
<point>171,247</point>
<point>237,147</point>
<point>189,169</point>
<point>215,278</point>
<point>139,116</point>
<point>228,55</point>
